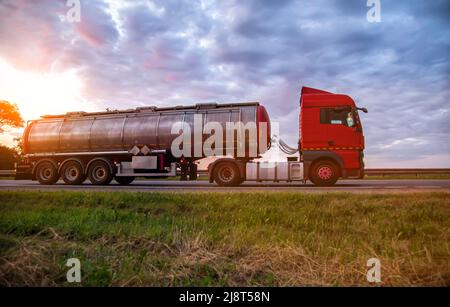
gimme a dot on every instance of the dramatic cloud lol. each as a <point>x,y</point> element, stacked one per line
<point>131,53</point>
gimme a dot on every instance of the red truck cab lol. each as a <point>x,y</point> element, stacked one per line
<point>331,137</point>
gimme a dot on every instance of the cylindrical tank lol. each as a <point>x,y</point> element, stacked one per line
<point>81,132</point>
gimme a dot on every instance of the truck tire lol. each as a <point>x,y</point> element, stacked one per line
<point>124,180</point>
<point>72,173</point>
<point>226,174</point>
<point>46,173</point>
<point>324,173</point>
<point>99,173</point>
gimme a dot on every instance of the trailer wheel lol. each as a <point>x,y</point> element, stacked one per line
<point>72,173</point>
<point>99,173</point>
<point>124,180</point>
<point>46,173</point>
<point>226,174</point>
<point>324,173</point>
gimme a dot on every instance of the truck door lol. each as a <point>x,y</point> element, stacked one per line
<point>342,128</point>
<point>313,135</point>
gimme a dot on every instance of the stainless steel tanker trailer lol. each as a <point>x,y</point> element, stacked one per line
<point>123,145</point>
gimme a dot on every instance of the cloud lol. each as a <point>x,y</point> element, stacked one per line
<point>97,27</point>
<point>30,34</point>
<point>174,52</point>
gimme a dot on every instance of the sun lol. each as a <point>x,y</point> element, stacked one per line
<point>38,94</point>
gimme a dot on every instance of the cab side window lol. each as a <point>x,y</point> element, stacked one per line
<point>337,117</point>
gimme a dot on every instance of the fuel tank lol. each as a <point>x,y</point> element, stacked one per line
<point>79,132</point>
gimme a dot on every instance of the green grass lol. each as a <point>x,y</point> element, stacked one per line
<point>235,239</point>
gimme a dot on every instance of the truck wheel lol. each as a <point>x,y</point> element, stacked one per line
<point>46,173</point>
<point>227,175</point>
<point>324,173</point>
<point>99,173</point>
<point>124,180</point>
<point>72,173</point>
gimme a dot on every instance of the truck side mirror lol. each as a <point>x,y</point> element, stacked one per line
<point>363,109</point>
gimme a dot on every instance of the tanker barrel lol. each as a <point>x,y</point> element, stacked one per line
<point>115,131</point>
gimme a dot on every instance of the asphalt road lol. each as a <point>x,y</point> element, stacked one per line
<point>361,186</point>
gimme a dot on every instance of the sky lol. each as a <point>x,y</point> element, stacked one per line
<point>124,54</point>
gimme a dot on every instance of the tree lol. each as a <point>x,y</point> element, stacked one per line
<point>9,116</point>
<point>18,148</point>
<point>8,156</point>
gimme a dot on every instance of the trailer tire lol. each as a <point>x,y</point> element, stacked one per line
<point>99,173</point>
<point>226,174</point>
<point>47,173</point>
<point>324,173</point>
<point>72,173</point>
<point>124,180</point>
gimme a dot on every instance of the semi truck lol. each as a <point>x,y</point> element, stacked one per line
<point>121,145</point>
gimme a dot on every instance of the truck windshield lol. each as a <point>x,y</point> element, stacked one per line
<point>338,117</point>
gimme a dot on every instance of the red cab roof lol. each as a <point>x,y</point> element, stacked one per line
<point>310,90</point>
<point>312,97</point>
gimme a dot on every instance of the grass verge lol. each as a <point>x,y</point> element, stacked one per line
<point>235,239</point>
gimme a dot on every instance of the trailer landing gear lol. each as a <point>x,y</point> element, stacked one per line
<point>124,180</point>
<point>188,168</point>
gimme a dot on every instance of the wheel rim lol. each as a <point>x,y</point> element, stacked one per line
<point>46,172</point>
<point>325,172</point>
<point>72,173</point>
<point>226,174</point>
<point>99,173</point>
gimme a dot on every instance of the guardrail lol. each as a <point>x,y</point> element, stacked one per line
<point>7,173</point>
<point>405,171</point>
<point>368,171</point>
<point>392,171</point>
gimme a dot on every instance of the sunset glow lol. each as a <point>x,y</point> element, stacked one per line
<point>125,54</point>
<point>37,94</point>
